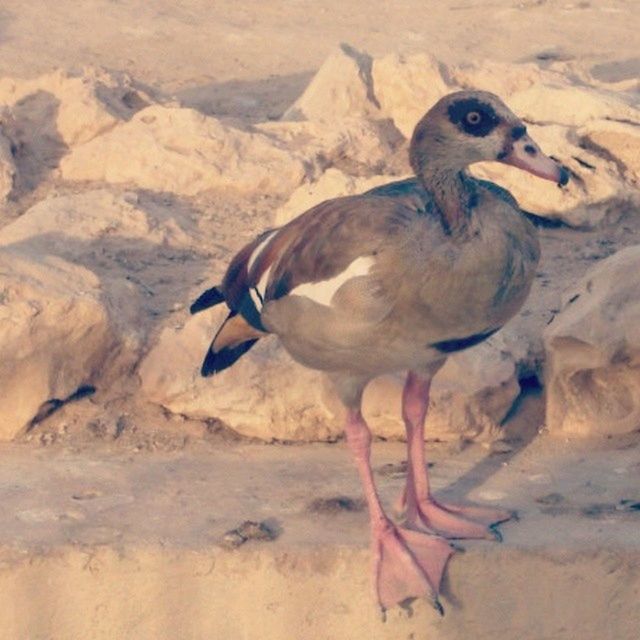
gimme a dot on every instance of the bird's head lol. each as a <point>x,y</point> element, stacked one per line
<point>474,126</point>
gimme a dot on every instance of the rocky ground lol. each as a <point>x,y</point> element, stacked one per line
<point>121,204</point>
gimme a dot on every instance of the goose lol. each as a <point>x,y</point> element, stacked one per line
<point>396,280</point>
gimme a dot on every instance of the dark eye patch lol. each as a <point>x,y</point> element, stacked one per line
<point>488,121</point>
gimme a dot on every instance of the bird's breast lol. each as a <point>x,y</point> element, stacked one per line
<point>467,288</point>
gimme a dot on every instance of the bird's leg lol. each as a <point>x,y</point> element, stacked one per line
<point>406,563</point>
<point>422,510</point>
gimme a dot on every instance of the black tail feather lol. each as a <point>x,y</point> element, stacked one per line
<point>223,359</point>
<point>209,298</point>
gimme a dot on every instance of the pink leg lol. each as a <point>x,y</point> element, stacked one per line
<point>406,563</point>
<point>423,511</point>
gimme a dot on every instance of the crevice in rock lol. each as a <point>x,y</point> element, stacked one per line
<point>49,407</point>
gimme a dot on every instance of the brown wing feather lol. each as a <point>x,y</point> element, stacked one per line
<point>316,246</point>
<point>331,236</point>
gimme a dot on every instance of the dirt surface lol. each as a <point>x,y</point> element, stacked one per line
<point>252,59</point>
<point>115,544</point>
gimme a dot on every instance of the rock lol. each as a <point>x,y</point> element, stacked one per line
<point>593,352</point>
<point>46,115</point>
<point>184,152</point>
<point>130,241</point>
<point>128,246</point>
<point>501,78</point>
<point>55,223</point>
<point>7,168</point>
<point>404,87</point>
<point>55,334</point>
<point>594,193</point>
<point>407,86</point>
<point>354,145</point>
<point>569,105</point>
<point>82,105</point>
<point>266,395</point>
<point>342,87</point>
<point>620,140</point>
<point>470,396</point>
<point>333,183</point>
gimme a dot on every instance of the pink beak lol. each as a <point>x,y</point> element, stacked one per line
<point>526,154</point>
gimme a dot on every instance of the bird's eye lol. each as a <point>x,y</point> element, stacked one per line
<point>473,117</point>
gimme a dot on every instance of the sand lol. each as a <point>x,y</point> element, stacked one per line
<point>103,543</point>
<point>250,60</point>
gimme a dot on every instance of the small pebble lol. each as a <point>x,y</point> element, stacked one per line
<point>393,469</point>
<point>232,539</point>
<point>598,510</point>
<point>87,494</point>
<point>550,498</point>
<point>397,469</point>
<point>248,530</point>
<point>338,504</point>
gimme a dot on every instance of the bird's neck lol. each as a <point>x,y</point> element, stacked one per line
<point>454,194</point>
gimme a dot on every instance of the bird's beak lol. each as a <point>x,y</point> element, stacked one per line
<point>525,154</point>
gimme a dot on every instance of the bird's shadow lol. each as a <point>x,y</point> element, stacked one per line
<point>521,426</point>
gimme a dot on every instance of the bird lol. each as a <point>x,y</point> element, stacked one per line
<point>396,280</point>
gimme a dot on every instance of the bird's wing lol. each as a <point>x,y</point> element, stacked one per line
<point>334,255</point>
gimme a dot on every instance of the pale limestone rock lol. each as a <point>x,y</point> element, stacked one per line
<point>264,395</point>
<point>130,243</point>
<point>57,222</point>
<point>268,396</point>
<point>502,78</point>
<point>569,105</point>
<point>82,106</point>
<point>182,151</point>
<point>594,193</point>
<point>470,396</point>
<point>620,140</point>
<point>7,168</point>
<point>55,334</point>
<point>593,352</point>
<point>333,183</point>
<point>355,145</point>
<point>407,87</point>
<point>341,88</point>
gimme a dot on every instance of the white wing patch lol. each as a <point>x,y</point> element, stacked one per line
<point>257,292</point>
<point>258,250</point>
<point>322,292</point>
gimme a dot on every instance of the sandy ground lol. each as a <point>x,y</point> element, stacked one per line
<point>251,59</point>
<point>110,544</point>
<point>113,541</point>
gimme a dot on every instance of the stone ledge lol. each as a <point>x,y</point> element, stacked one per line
<point>108,544</point>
